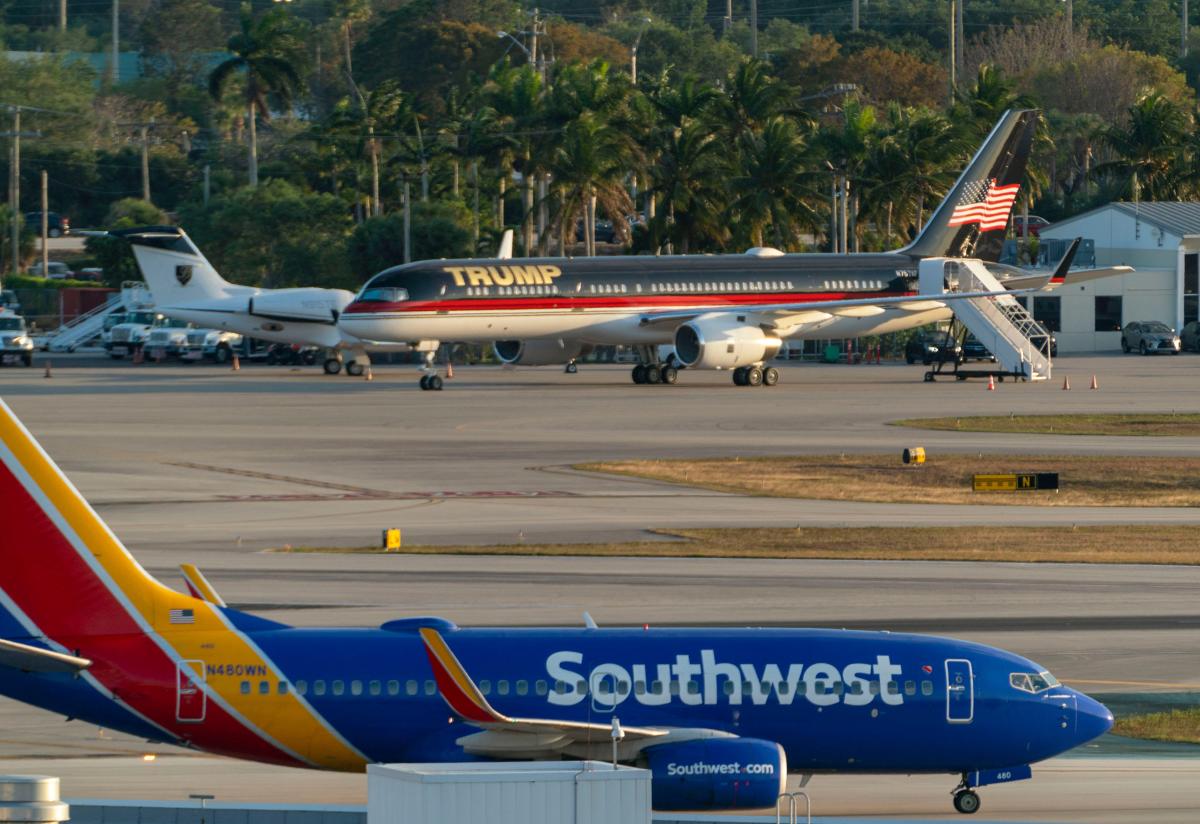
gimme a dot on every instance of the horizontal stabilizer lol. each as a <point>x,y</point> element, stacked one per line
<point>35,659</point>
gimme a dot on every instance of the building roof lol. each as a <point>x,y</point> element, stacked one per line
<point>1175,217</point>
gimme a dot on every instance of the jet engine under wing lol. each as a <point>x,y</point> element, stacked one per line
<point>35,659</point>
<point>809,311</point>
<point>506,737</point>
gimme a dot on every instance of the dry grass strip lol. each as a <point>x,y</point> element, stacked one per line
<point>1092,544</point>
<point>1170,424</point>
<point>944,479</point>
<point>1178,726</point>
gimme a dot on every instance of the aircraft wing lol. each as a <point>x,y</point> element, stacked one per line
<point>1069,279</point>
<point>504,736</point>
<point>813,311</point>
<point>35,659</point>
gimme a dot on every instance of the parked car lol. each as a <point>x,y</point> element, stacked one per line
<point>56,270</point>
<point>605,231</point>
<point>1036,224</point>
<point>1190,337</point>
<point>15,343</point>
<point>92,273</point>
<point>1148,337</point>
<point>931,347</point>
<point>56,225</point>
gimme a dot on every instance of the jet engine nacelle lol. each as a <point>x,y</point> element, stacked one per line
<point>720,340</point>
<point>716,774</point>
<point>304,304</point>
<point>538,352</point>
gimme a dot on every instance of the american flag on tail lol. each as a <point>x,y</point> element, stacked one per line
<point>986,203</point>
<point>181,616</point>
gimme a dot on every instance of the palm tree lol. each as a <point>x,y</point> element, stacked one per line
<point>932,150</point>
<point>587,167</point>
<point>516,95</point>
<point>687,176</point>
<point>265,51</point>
<point>847,145</point>
<point>1151,148</point>
<point>383,110</point>
<point>773,184</point>
<point>992,95</point>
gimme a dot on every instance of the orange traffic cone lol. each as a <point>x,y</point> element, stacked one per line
<point>138,355</point>
<point>1095,383</point>
<point>449,369</point>
<point>991,384</point>
<point>370,377</point>
<point>1066,383</point>
<point>47,370</point>
<point>237,364</point>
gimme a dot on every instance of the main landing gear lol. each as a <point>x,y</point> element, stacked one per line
<point>966,800</point>
<point>655,373</point>
<point>755,376</point>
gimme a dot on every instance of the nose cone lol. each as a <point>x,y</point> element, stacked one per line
<point>1094,719</point>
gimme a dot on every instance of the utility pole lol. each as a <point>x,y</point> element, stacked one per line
<point>45,222</point>
<point>854,14</point>
<point>727,23</point>
<point>959,39</point>
<point>14,198</point>
<point>207,184</point>
<point>1183,29</point>
<point>62,15</point>
<point>754,28</point>
<point>953,51</point>
<point>533,40</point>
<point>145,130</point>
<point>116,42</point>
<point>1071,16</point>
<point>407,222</point>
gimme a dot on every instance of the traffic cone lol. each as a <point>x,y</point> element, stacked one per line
<point>991,384</point>
<point>370,377</point>
<point>878,355</point>
<point>47,374</point>
<point>138,355</point>
<point>1095,383</point>
<point>237,364</point>
<point>1066,384</point>
<point>449,369</point>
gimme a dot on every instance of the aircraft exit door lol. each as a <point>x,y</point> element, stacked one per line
<point>960,691</point>
<point>190,699</point>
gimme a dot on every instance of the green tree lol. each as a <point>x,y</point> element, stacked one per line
<point>274,235</point>
<point>114,254</point>
<point>587,167</point>
<point>266,53</point>
<point>771,186</point>
<point>437,230</point>
<point>1152,149</point>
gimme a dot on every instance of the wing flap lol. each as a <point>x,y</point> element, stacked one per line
<point>35,659</point>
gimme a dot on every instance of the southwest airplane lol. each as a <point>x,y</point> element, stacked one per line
<point>720,716</point>
<point>716,311</point>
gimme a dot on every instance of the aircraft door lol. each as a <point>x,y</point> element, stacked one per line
<point>960,691</point>
<point>191,702</point>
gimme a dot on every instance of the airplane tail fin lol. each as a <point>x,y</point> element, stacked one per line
<point>63,574</point>
<point>971,221</point>
<point>174,269</point>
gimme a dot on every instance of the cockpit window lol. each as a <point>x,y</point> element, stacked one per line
<point>383,294</point>
<point>1033,682</point>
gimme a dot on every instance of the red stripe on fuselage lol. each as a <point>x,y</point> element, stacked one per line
<point>67,601</point>
<point>632,302</point>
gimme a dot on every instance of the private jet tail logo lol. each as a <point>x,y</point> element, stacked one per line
<point>183,274</point>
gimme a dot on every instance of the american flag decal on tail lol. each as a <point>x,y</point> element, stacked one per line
<point>986,203</point>
<point>181,616</point>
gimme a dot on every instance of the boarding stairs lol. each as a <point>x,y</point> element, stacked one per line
<point>87,327</point>
<point>1021,344</point>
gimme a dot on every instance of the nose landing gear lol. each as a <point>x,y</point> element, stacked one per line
<point>966,800</point>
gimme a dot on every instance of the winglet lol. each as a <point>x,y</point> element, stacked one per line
<point>198,585</point>
<point>456,686</point>
<point>1064,265</point>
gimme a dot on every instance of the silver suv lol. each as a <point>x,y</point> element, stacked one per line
<point>1149,337</point>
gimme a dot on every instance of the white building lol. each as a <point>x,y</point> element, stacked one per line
<point>1160,240</point>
